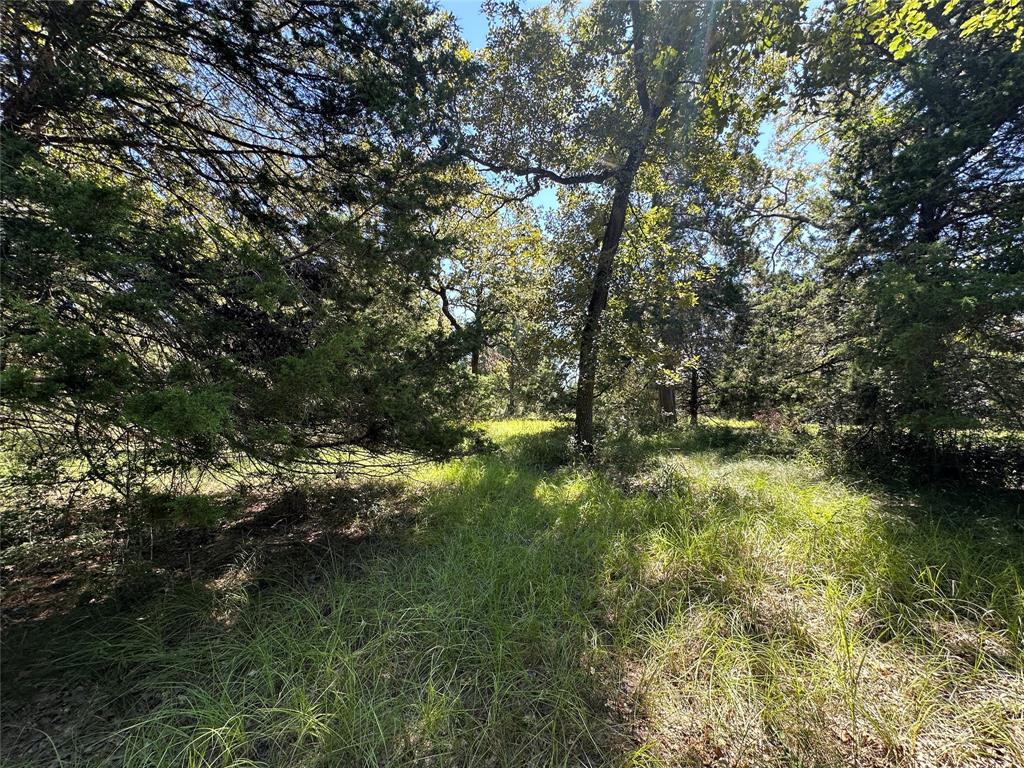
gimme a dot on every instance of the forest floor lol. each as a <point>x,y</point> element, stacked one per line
<point>696,600</point>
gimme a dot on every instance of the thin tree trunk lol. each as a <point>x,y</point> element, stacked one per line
<point>694,396</point>
<point>652,112</point>
<point>598,301</point>
<point>474,361</point>
<point>667,403</point>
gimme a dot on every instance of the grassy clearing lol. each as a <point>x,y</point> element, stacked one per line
<point>691,603</point>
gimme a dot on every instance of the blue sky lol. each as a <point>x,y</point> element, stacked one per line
<point>471,19</point>
<point>473,24</point>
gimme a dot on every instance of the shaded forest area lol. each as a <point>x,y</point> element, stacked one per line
<point>644,386</point>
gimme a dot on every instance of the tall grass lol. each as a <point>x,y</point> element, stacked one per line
<point>692,607</point>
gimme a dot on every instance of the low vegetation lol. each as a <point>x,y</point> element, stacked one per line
<point>696,599</point>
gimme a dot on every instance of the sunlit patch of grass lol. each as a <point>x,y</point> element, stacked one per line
<point>849,628</point>
<point>693,604</point>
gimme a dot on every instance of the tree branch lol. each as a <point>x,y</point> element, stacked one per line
<point>539,173</point>
<point>446,310</point>
<point>639,70</point>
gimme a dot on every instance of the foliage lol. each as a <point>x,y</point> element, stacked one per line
<point>213,244</point>
<point>925,282</point>
<point>248,245</point>
<point>664,82</point>
<point>901,25</point>
<point>494,284</point>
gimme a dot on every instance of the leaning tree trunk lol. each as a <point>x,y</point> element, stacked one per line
<point>652,112</point>
<point>598,301</point>
<point>694,396</point>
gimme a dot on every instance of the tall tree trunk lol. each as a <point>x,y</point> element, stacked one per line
<point>667,403</point>
<point>599,300</point>
<point>694,396</point>
<point>652,110</point>
<point>474,361</point>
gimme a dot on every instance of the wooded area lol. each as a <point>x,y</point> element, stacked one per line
<point>649,377</point>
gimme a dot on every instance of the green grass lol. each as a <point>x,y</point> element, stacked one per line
<point>688,603</point>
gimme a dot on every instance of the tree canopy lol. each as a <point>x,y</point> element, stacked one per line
<point>278,234</point>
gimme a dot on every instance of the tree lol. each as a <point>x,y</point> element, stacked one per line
<point>479,282</point>
<point>927,279</point>
<point>493,285</point>
<point>654,72</point>
<point>214,245</point>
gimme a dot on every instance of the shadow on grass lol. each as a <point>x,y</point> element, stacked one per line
<point>177,581</point>
<point>462,636</point>
<point>945,564</point>
<point>502,623</point>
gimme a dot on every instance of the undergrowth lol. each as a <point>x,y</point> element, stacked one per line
<point>690,602</point>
